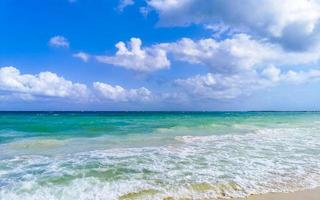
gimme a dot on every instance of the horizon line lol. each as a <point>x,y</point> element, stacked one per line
<point>164,111</point>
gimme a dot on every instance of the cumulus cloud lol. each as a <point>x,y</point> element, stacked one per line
<point>272,73</point>
<point>238,65</point>
<point>230,55</point>
<point>301,76</point>
<point>292,23</point>
<point>59,41</point>
<point>221,86</point>
<point>236,54</point>
<point>15,85</point>
<point>218,86</point>
<point>119,94</point>
<point>45,84</point>
<point>82,56</point>
<point>136,58</point>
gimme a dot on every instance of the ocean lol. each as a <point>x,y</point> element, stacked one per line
<point>156,155</point>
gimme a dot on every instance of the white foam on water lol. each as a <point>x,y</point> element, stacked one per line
<point>196,167</point>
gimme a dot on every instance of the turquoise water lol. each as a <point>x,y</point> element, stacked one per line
<point>156,155</point>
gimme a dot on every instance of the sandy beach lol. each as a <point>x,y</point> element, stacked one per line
<point>312,194</point>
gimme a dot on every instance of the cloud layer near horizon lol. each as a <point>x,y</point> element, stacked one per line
<point>14,85</point>
<point>46,85</point>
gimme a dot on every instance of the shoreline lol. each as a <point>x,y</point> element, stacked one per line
<point>308,194</point>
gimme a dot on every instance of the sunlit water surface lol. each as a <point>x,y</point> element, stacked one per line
<point>138,155</point>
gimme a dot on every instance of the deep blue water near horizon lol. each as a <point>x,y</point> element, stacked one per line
<point>156,155</point>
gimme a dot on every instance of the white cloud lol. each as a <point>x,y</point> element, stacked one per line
<point>136,58</point>
<point>293,23</point>
<point>59,41</point>
<point>301,76</point>
<point>275,75</point>
<point>120,94</point>
<point>221,86</point>
<point>238,65</point>
<point>124,3</point>
<point>82,56</point>
<point>236,54</point>
<point>230,55</point>
<point>14,85</point>
<point>45,84</point>
<point>272,73</point>
<point>220,29</point>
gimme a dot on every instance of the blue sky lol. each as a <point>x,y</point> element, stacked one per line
<point>159,55</point>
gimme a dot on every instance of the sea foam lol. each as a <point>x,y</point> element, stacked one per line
<point>197,167</point>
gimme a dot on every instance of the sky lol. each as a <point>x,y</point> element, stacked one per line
<point>160,55</point>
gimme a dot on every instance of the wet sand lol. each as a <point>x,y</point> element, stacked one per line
<point>312,194</point>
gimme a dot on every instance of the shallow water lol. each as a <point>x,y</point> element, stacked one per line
<point>143,155</point>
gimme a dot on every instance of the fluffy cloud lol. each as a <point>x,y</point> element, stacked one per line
<point>136,58</point>
<point>119,94</point>
<point>237,54</point>
<point>220,86</point>
<point>46,84</point>
<point>14,85</point>
<point>230,55</point>
<point>293,23</point>
<point>59,41</point>
<point>82,56</point>
<point>301,76</point>
<point>272,73</point>
<point>238,65</point>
